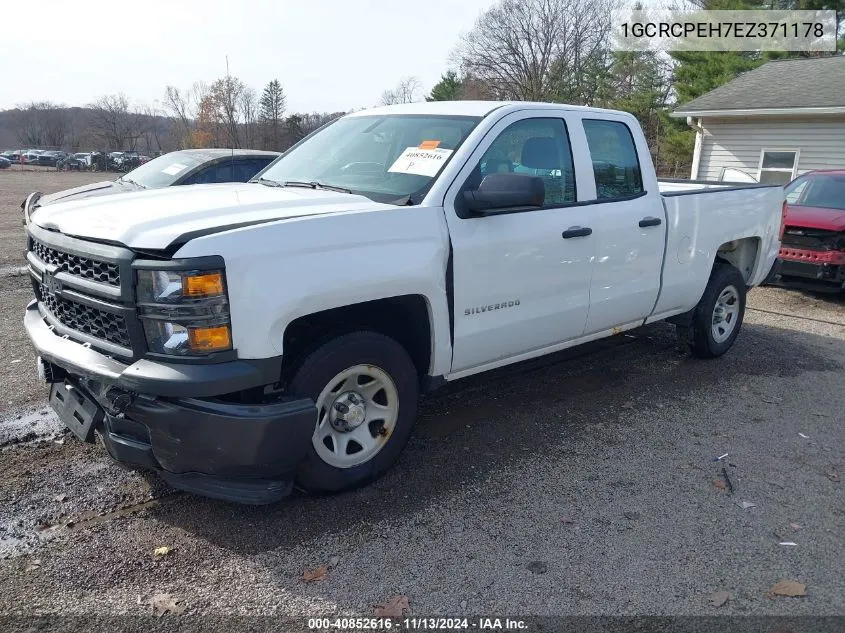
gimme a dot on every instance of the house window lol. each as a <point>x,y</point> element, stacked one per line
<point>777,166</point>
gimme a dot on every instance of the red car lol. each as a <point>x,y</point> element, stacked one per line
<point>812,250</point>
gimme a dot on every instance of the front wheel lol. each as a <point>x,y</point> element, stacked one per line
<point>718,316</point>
<point>365,388</point>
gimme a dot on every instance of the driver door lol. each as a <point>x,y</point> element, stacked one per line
<point>521,277</point>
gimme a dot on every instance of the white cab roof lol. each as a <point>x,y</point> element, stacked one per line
<point>469,108</point>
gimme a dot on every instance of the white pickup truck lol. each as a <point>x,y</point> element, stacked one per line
<point>241,339</point>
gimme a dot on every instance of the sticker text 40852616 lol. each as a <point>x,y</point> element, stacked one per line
<point>422,162</point>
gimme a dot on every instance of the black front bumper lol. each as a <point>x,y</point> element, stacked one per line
<point>242,453</point>
<point>174,423</point>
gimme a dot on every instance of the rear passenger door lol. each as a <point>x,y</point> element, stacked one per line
<point>630,227</point>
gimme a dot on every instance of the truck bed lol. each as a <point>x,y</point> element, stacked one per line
<point>705,218</point>
<point>679,186</point>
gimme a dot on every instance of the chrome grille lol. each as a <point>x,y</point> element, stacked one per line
<point>82,318</point>
<point>92,269</point>
<point>100,314</point>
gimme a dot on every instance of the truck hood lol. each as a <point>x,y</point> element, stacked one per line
<point>816,217</point>
<point>155,219</point>
<point>86,191</point>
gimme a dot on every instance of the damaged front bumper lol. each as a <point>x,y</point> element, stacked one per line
<point>168,417</point>
<point>811,268</point>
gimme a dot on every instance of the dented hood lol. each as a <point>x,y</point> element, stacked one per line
<point>157,218</point>
<point>103,188</point>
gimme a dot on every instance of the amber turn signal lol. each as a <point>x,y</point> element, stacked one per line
<point>205,285</point>
<point>209,339</point>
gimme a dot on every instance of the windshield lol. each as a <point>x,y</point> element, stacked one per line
<point>821,190</point>
<point>386,158</point>
<point>162,171</point>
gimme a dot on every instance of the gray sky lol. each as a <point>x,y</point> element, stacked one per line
<point>329,56</point>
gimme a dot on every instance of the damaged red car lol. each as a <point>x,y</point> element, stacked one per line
<point>812,253</point>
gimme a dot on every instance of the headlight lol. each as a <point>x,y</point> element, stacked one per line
<point>184,312</point>
<point>167,286</point>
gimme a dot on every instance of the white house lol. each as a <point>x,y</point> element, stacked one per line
<point>772,123</point>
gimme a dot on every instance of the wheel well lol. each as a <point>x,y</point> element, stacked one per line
<point>404,319</point>
<point>741,254</point>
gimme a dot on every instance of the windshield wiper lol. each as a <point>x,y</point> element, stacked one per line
<point>314,185</point>
<point>267,182</point>
<point>132,182</point>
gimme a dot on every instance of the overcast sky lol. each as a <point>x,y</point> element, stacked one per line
<point>329,56</point>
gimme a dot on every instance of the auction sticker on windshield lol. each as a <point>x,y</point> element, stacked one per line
<point>422,162</point>
<point>174,169</point>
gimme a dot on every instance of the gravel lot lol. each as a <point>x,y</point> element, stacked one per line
<point>580,485</point>
<point>19,384</point>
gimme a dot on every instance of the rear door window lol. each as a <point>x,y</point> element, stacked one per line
<point>616,166</point>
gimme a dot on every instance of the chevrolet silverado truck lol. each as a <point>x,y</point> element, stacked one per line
<point>245,339</point>
<point>812,253</point>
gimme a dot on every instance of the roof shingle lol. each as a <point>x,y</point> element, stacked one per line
<point>794,83</point>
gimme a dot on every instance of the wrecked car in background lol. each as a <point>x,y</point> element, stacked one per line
<point>812,253</point>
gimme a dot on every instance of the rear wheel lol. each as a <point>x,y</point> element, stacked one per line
<point>718,316</point>
<point>365,388</point>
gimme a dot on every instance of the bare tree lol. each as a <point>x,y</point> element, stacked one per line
<point>248,106</point>
<point>184,105</point>
<point>56,124</point>
<point>114,123</point>
<point>533,49</point>
<point>177,103</point>
<point>30,131</point>
<point>406,91</point>
<point>151,125</point>
<point>44,123</point>
<point>226,95</point>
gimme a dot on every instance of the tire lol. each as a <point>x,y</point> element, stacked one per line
<point>725,292</point>
<point>325,375</point>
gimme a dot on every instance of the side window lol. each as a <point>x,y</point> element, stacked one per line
<point>246,169</point>
<point>615,163</point>
<point>202,177</point>
<point>777,167</point>
<point>221,172</point>
<point>537,147</point>
<point>794,191</point>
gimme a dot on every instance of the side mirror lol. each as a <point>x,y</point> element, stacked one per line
<point>506,191</point>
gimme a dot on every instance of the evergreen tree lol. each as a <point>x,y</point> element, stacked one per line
<point>271,113</point>
<point>449,88</point>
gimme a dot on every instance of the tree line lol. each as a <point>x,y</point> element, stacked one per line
<point>224,113</point>
<point>532,50</point>
<point>559,51</point>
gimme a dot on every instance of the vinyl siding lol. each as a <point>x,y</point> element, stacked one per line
<point>737,142</point>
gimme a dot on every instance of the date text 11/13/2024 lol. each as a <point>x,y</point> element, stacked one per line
<point>411,624</point>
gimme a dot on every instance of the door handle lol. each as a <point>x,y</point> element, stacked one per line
<point>576,231</point>
<point>649,221</point>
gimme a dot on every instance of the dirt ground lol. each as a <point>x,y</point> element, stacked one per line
<point>584,484</point>
<point>19,385</point>
<point>16,183</point>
